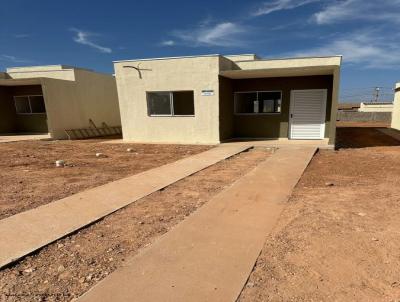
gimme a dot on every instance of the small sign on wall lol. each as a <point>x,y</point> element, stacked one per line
<point>207,92</point>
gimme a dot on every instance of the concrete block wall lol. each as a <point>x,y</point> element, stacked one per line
<point>355,116</point>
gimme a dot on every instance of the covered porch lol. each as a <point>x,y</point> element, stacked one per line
<point>284,104</point>
<point>22,107</point>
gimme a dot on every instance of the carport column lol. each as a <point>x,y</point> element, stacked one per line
<point>46,104</point>
<point>334,109</point>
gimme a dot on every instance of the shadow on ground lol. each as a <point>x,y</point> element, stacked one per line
<point>362,137</point>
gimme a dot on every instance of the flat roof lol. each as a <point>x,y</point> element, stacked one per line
<point>42,68</point>
<point>167,58</point>
<point>242,54</point>
<point>20,82</point>
<point>258,60</point>
<point>294,58</point>
<point>277,72</point>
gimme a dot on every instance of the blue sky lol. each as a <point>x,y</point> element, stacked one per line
<point>94,33</point>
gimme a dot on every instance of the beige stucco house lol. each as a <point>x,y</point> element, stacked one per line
<point>376,107</point>
<point>396,108</point>
<point>214,98</point>
<point>51,99</point>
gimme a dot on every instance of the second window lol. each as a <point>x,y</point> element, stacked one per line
<point>258,102</point>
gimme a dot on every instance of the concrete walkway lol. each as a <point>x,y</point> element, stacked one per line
<point>7,138</point>
<point>26,232</point>
<point>209,256</point>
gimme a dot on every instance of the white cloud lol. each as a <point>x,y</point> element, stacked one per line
<point>168,43</point>
<point>13,59</point>
<point>82,37</point>
<point>338,11</point>
<point>221,34</point>
<point>368,48</point>
<point>278,5</point>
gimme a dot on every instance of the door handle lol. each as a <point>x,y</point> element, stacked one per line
<point>291,115</point>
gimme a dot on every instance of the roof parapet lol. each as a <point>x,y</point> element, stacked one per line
<point>42,68</point>
<point>167,58</point>
<point>243,57</point>
<point>290,62</point>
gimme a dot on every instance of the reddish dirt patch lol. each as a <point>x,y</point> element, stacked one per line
<point>70,266</point>
<point>338,239</point>
<point>363,137</point>
<point>29,178</point>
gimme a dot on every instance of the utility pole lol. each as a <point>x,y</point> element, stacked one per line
<point>376,94</point>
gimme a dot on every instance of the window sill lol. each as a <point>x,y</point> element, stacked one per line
<point>44,113</point>
<point>162,115</point>
<point>256,114</point>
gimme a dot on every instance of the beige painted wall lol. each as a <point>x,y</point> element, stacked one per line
<point>396,108</point>
<point>375,107</point>
<point>70,104</point>
<point>192,73</point>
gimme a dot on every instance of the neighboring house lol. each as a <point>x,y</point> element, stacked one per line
<point>376,107</point>
<point>396,108</point>
<point>365,112</point>
<point>352,107</point>
<point>213,98</point>
<point>51,99</point>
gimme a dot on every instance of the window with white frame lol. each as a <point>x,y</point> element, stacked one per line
<point>29,104</point>
<point>258,102</point>
<point>170,103</point>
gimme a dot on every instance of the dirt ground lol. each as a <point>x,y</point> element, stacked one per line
<point>339,237</point>
<point>69,267</point>
<point>337,240</point>
<point>29,178</point>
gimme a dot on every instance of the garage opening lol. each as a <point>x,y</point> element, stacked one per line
<point>22,110</point>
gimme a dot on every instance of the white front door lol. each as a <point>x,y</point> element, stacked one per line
<point>307,114</point>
